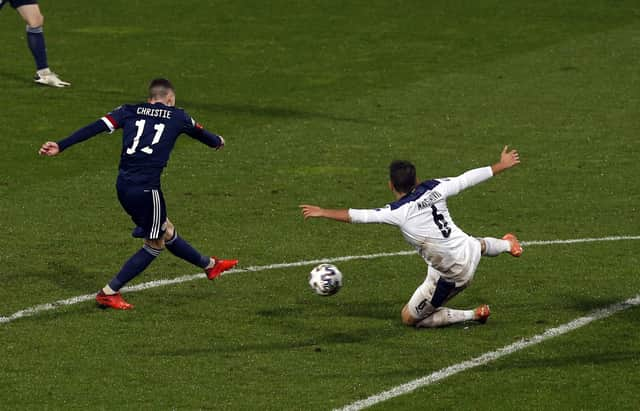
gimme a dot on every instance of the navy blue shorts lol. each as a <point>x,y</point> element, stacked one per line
<point>17,3</point>
<point>147,210</point>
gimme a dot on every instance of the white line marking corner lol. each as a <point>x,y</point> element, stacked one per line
<point>491,356</point>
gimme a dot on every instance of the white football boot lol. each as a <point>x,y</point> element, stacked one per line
<point>49,78</point>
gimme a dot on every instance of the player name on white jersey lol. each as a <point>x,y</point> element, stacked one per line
<point>153,112</point>
<point>429,200</point>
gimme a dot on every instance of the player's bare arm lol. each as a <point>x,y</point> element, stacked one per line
<point>311,211</point>
<point>49,149</point>
<point>508,159</point>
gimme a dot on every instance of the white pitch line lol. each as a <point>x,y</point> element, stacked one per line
<point>581,240</point>
<point>490,356</point>
<point>28,312</point>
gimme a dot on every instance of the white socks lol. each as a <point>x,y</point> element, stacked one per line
<point>108,290</point>
<point>445,316</point>
<point>212,262</point>
<point>494,246</point>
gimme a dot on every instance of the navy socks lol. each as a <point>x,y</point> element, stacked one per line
<point>35,40</point>
<point>134,266</point>
<point>180,248</point>
<point>141,260</point>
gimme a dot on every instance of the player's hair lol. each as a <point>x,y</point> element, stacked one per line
<point>402,175</point>
<point>159,88</point>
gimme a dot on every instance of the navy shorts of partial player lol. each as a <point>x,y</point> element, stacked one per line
<point>147,209</point>
<point>17,3</point>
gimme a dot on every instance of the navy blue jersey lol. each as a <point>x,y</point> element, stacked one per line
<point>149,133</point>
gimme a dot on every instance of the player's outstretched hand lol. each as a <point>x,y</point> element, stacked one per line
<point>309,211</point>
<point>50,149</point>
<point>508,159</point>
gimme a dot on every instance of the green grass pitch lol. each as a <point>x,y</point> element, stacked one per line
<point>315,98</point>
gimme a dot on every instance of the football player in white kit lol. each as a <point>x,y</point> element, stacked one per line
<point>421,213</point>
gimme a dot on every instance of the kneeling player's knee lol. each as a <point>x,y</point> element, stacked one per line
<point>407,318</point>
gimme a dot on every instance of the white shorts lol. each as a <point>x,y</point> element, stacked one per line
<point>437,289</point>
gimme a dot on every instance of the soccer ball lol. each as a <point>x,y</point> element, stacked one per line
<point>325,279</point>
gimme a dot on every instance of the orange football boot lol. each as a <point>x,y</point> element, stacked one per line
<point>482,313</point>
<point>114,301</point>
<point>219,267</point>
<point>516,248</point>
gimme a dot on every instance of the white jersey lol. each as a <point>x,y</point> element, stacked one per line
<point>423,217</point>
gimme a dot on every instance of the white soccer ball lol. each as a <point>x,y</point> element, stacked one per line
<point>325,279</point>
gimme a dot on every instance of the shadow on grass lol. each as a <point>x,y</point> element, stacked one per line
<point>66,277</point>
<point>564,361</point>
<point>261,111</point>
<point>25,79</point>
<point>587,303</point>
<point>317,344</point>
<point>380,310</point>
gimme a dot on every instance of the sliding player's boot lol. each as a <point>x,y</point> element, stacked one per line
<point>220,265</point>
<point>516,248</point>
<point>481,313</point>
<point>114,301</point>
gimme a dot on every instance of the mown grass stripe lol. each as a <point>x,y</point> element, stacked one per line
<point>28,312</point>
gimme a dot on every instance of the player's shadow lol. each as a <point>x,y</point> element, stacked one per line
<point>586,303</point>
<point>379,310</point>
<point>17,78</point>
<point>281,112</point>
<point>561,362</point>
<point>317,343</point>
<point>65,276</point>
<point>315,340</point>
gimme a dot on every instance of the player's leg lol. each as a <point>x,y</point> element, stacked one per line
<point>509,243</point>
<point>148,211</point>
<point>179,247</point>
<point>424,309</point>
<point>444,316</point>
<point>30,13</point>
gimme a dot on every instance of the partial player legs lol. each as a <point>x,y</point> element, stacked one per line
<point>444,316</point>
<point>31,14</point>
<point>425,308</point>
<point>110,295</point>
<point>509,243</point>
<point>179,247</point>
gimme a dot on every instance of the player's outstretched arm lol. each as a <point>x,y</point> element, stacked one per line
<point>311,211</point>
<point>452,186</point>
<point>49,149</point>
<point>508,159</point>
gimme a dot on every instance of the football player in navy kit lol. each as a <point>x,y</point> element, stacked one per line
<point>149,134</point>
<point>30,13</point>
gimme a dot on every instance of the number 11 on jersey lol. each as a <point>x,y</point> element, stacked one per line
<point>159,128</point>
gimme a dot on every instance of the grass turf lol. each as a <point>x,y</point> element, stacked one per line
<point>314,100</point>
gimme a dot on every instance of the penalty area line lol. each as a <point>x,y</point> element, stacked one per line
<point>31,311</point>
<point>491,356</point>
